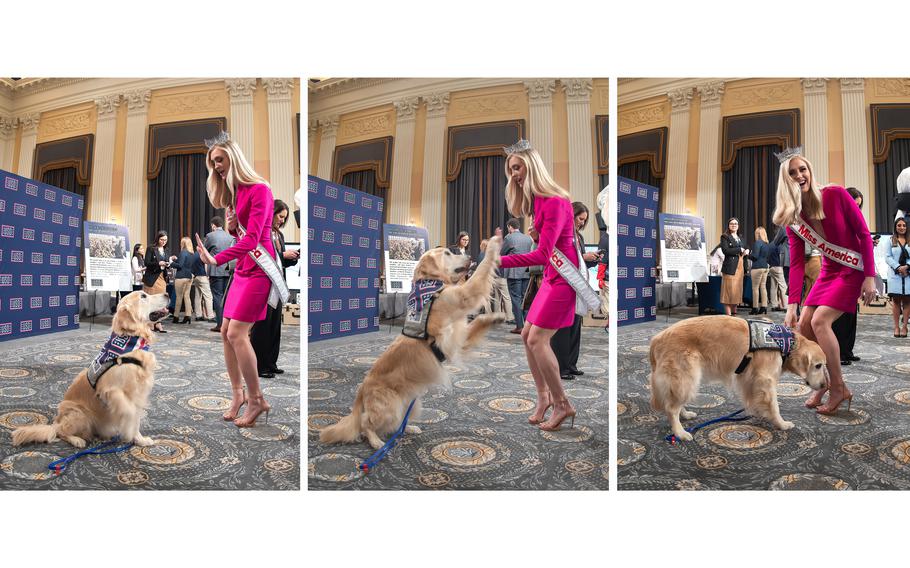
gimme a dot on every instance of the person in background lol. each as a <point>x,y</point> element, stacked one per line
<point>777,280</point>
<point>184,280</point>
<point>157,261</point>
<point>844,327</point>
<point>731,289</point>
<point>566,342</point>
<point>216,241</point>
<point>898,258</point>
<point>203,307</point>
<point>517,279</point>
<point>461,244</point>
<point>501,298</point>
<point>759,256</point>
<point>266,334</point>
<point>138,265</point>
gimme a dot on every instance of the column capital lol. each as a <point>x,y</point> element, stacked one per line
<point>240,88</point>
<point>814,85</point>
<point>406,108</point>
<point>29,122</point>
<point>137,100</point>
<point>578,90</point>
<point>540,91</point>
<point>278,87</point>
<point>313,126</point>
<point>437,104</point>
<point>710,93</point>
<point>852,85</point>
<point>107,106</point>
<point>7,125</point>
<point>329,125</point>
<point>680,99</point>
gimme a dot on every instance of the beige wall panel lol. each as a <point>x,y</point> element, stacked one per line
<point>560,171</point>
<point>692,156</point>
<point>204,100</point>
<point>491,104</point>
<point>368,124</point>
<point>758,95</point>
<point>261,131</point>
<point>67,122</point>
<point>600,97</point>
<point>643,115</point>
<point>891,90</point>
<point>835,134</point>
<point>420,137</point>
<point>119,160</point>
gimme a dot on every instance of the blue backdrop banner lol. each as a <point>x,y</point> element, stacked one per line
<point>40,240</point>
<point>344,247</point>
<point>636,235</point>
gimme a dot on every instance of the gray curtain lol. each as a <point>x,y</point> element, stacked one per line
<point>476,201</point>
<point>365,181</point>
<point>65,178</point>
<point>178,202</point>
<point>749,190</point>
<point>886,184</point>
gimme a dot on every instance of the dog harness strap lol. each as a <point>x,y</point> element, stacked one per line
<point>115,347</point>
<point>440,356</point>
<point>743,364</point>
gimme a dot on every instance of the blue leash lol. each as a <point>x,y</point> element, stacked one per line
<point>728,418</point>
<point>381,452</point>
<point>60,465</point>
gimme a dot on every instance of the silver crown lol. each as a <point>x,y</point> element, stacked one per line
<point>520,146</point>
<point>220,139</point>
<point>789,153</point>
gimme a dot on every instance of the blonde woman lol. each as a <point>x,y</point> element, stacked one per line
<point>532,190</point>
<point>761,250</point>
<point>183,280</point>
<point>830,215</point>
<point>247,198</point>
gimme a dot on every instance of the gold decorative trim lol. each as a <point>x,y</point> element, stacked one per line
<point>761,95</point>
<point>382,167</point>
<point>651,115</point>
<point>375,125</point>
<point>485,106</point>
<point>891,87</point>
<point>68,123</point>
<point>156,154</point>
<point>784,139</point>
<point>883,137</point>
<point>455,158</point>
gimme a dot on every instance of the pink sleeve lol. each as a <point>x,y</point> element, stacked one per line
<point>552,222</point>
<point>797,267</point>
<point>857,223</point>
<point>258,221</point>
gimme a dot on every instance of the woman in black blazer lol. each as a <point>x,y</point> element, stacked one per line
<point>266,334</point>
<point>157,261</point>
<point>731,290</point>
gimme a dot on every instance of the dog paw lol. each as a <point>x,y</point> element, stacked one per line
<point>494,245</point>
<point>144,441</point>
<point>76,442</point>
<point>412,429</point>
<point>684,436</point>
<point>784,425</point>
<point>687,415</point>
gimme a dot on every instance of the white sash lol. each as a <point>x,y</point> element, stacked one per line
<point>838,254</point>
<point>279,289</point>
<point>586,299</point>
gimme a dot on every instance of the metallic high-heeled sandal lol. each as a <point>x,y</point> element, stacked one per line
<point>246,421</point>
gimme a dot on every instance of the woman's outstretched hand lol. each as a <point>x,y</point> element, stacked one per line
<point>204,255</point>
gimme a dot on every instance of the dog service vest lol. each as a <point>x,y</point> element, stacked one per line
<point>767,335</point>
<point>420,303</point>
<point>113,354</point>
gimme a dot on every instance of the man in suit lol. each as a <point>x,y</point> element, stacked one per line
<point>516,242</point>
<point>216,241</point>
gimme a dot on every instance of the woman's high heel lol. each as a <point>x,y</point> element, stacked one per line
<point>540,416</point>
<point>232,413</point>
<point>816,399</point>
<point>833,410</point>
<point>553,423</point>
<point>248,420</point>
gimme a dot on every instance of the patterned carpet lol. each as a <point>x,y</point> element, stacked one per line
<point>865,448</point>
<point>475,436</point>
<point>195,448</point>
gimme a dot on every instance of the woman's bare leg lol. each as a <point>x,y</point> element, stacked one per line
<point>538,344</point>
<point>821,321</point>
<point>805,327</point>
<point>239,337</point>
<point>233,370</point>
<point>544,398</point>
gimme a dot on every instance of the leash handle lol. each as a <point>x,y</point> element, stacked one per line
<point>59,466</point>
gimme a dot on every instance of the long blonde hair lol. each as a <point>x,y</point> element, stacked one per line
<point>537,181</point>
<point>790,199</point>
<point>186,244</point>
<point>761,234</point>
<point>221,191</point>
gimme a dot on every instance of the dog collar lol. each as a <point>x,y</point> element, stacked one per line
<point>767,335</point>
<point>113,353</point>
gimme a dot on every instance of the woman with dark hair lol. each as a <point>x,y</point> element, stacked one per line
<point>138,265</point>
<point>157,262</point>
<point>566,342</point>
<point>266,334</point>
<point>898,258</point>
<point>461,243</point>
<point>731,289</point>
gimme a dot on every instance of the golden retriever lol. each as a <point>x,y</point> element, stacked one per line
<point>408,368</point>
<point>117,404</point>
<point>711,348</point>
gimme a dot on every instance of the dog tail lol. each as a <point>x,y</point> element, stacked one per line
<point>46,433</point>
<point>347,430</point>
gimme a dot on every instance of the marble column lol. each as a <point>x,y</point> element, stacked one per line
<point>329,126</point>
<point>434,160</point>
<point>103,160</point>
<point>398,199</point>
<point>7,142</point>
<point>312,133</point>
<point>281,144</point>
<point>856,146</point>
<point>135,179</point>
<point>29,126</point>
<point>815,140</point>
<point>241,127</point>
<point>677,151</point>
<point>709,177</point>
<point>540,127</point>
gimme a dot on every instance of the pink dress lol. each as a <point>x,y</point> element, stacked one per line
<point>554,304</point>
<point>248,295</point>
<point>838,286</point>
